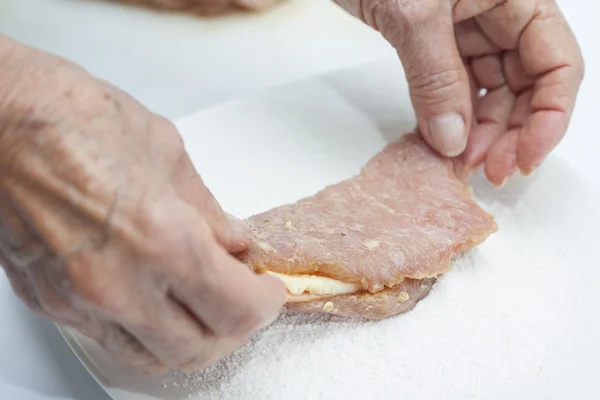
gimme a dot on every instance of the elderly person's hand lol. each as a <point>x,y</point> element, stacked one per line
<point>522,52</point>
<point>105,225</point>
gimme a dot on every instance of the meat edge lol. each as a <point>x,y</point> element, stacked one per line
<point>371,306</point>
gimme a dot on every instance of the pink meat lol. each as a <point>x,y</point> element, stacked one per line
<point>383,304</point>
<point>404,217</point>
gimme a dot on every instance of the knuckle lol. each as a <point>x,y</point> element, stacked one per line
<point>152,220</point>
<point>165,125</point>
<point>391,17</point>
<point>172,144</point>
<point>97,287</point>
<point>96,294</point>
<point>128,350</point>
<point>155,219</point>
<point>432,88</point>
<point>418,12</point>
<point>164,236</point>
<point>156,225</point>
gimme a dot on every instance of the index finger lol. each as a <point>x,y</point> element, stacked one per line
<point>221,291</point>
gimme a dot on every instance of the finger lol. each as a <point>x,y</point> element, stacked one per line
<point>503,24</point>
<point>229,231</point>
<point>488,72</point>
<point>492,110</point>
<point>232,300</point>
<point>516,76</point>
<point>521,111</point>
<point>224,293</point>
<point>549,51</point>
<point>219,290</point>
<point>464,10</point>
<point>475,90</point>
<point>472,42</point>
<point>168,331</point>
<point>137,300</point>
<point>492,115</point>
<point>127,350</point>
<point>232,233</point>
<point>501,159</point>
<point>423,36</point>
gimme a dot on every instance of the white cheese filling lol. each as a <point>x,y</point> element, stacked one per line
<point>317,285</point>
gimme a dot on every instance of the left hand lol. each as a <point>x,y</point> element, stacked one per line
<point>522,52</point>
<point>107,227</point>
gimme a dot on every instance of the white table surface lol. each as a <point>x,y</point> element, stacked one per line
<point>177,65</point>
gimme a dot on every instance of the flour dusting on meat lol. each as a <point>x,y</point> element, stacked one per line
<point>398,223</point>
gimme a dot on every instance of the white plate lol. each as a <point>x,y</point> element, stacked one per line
<point>515,319</point>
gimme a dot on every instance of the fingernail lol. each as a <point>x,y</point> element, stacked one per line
<point>448,134</point>
<point>507,178</point>
<point>528,171</point>
<point>502,183</point>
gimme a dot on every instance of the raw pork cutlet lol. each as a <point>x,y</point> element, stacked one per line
<point>359,247</point>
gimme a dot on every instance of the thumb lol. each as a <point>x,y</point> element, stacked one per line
<point>231,233</point>
<point>423,36</point>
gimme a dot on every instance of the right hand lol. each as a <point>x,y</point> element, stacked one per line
<point>521,52</point>
<point>105,225</point>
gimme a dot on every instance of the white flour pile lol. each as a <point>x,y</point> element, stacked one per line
<point>512,320</point>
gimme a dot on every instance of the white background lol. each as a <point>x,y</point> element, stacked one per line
<point>177,65</point>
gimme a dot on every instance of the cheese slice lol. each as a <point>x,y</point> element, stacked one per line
<point>316,285</point>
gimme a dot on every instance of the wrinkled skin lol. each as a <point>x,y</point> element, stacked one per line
<point>204,7</point>
<point>105,225</point>
<point>521,51</point>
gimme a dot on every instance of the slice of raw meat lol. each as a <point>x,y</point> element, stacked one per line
<point>400,221</point>
<point>383,304</point>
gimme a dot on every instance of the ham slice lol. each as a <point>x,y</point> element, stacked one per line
<point>380,239</point>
